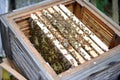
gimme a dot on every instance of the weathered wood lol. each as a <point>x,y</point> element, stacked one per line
<point>5,37</point>
<point>7,67</point>
<point>104,33</point>
<point>101,17</point>
<point>109,73</point>
<point>32,63</point>
<point>2,54</point>
<point>23,24</point>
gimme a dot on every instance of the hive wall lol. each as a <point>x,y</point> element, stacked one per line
<point>25,55</point>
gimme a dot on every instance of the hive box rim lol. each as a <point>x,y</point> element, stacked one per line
<point>25,11</point>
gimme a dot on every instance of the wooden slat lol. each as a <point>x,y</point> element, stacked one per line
<point>93,44</point>
<point>87,47</point>
<point>61,39</point>
<point>20,56</point>
<point>92,20</point>
<point>103,25</point>
<point>91,27</point>
<point>7,67</point>
<point>27,33</point>
<point>23,24</point>
<point>55,41</point>
<point>25,28</point>
<point>110,73</point>
<point>76,45</point>
<point>82,26</point>
<point>98,26</point>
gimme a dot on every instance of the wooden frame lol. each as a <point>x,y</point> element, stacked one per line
<point>44,71</point>
<point>7,66</point>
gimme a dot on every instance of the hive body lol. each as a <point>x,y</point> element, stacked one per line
<point>60,40</point>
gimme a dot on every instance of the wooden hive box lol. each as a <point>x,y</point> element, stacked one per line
<point>16,34</point>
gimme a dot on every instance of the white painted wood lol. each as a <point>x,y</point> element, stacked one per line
<point>55,41</point>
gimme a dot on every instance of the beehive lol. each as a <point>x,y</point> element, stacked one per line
<point>60,40</point>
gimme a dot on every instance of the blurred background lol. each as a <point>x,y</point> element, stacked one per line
<point>109,7</point>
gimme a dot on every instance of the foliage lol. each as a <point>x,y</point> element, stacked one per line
<point>101,4</point>
<point>104,5</point>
